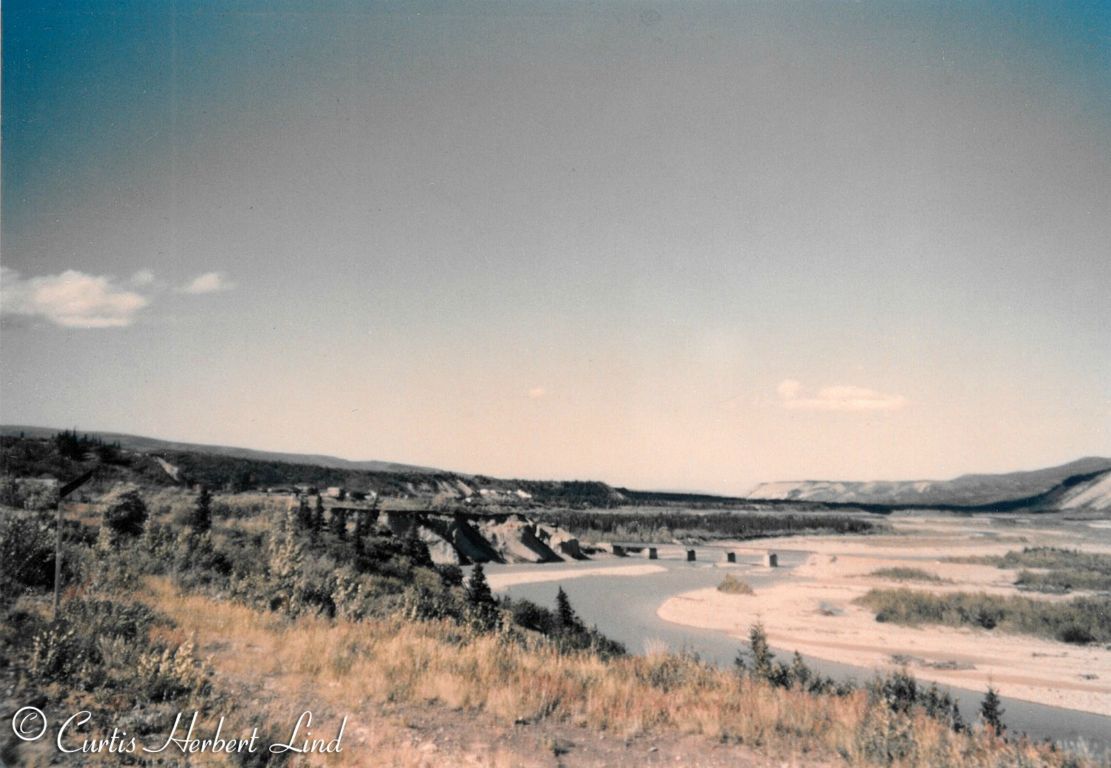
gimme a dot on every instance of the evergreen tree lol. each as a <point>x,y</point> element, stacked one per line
<point>318,515</point>
<point>201,519</point>
<point>800,673</point>
<point>991,709</point>
<point>339,522</point>
<point>304,514</point>
<point>285,566</point>
<point>127,516</point>
<point>413,547</point>
<point>480,600</point>
<point>761,653</point>
<point>69,445</point>
<point>478,590</point>
<point>360,530</point>
<point>566,620</point>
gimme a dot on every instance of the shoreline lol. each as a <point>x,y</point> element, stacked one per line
<point>811,610</point>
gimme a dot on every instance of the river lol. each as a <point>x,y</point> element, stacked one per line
<point>624,608</point>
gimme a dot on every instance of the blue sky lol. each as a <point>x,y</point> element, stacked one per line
<point>667,245</point>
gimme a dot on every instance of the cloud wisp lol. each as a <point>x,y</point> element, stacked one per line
<point>209,282</point>
<point>840,397</point>
<point>71,299</point>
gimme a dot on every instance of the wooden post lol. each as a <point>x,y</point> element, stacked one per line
<point>64,491</point>
<point>57,562</point>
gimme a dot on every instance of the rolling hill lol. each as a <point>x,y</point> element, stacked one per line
<point>966,490</point>
<point>151,444</point>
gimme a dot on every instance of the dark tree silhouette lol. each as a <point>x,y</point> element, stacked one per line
<point>478,590</point>
<point>128,515</point>
<point>481,606</point>
<point>201,518</point>
<point>339,522</point>
<point>304,514</point>
<point>318,515</point>
<point>566,619</point>
<point>991,709</point>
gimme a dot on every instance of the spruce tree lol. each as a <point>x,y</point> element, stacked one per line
<point>339,522</point>
<point>480,600</point>
<point>566,620</point>
<point>318,515</point>
<point>991,709</point>
<point>304,514</point>
<point>761,653</point>
<point>360,530</point>
<point>201,519</point>
<point>478,590</point>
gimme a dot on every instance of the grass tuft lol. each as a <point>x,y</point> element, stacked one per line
<point>731,585</point>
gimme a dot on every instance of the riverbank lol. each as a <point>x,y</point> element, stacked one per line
<point>811,609</point>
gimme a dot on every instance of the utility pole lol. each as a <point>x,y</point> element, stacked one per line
<point>64,491</point>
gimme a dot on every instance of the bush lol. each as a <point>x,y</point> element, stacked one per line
<point>127,516</point>
<point>906,574</point>
<point>1080,620</point>
<point>529,615</point>
<point>733,586</point>
<point>26,553</point>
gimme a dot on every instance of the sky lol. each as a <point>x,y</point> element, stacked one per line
<point>679,245</point>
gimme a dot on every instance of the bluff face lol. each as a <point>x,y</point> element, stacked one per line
<point>1080,484</point>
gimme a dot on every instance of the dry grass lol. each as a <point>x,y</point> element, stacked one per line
<point>902,573</point>
<point>373,665</point>
<point>733,586</point>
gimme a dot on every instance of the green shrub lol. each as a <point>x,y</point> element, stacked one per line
<point>906,574</point>
<point>127,516</point>
<point>26,553</point>
<point>1080,620</point>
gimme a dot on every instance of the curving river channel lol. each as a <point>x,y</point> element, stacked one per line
<point>624,608</point>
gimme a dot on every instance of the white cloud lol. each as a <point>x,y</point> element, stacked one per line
<point>209,282</point>
<point>840,397</point>
<point>72,299</point>
<point>536,393</point>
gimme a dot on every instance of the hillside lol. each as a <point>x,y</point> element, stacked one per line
<point>153,463</point>
<point>966,490</point>
<point>152,445</point>
<point>1093,494</point>
<point>30,452</point>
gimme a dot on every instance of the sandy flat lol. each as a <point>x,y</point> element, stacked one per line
<point>811,610</point>
<point>508,579</point>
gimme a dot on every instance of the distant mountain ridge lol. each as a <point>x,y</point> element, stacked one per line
<point>147,444</point>
<point>1081,485</point>
<point>966,490</point>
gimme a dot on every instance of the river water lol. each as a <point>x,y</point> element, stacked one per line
<point>624,608</point>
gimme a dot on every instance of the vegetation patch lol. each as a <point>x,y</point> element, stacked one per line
<point>900,573</point>
<point>731,585</point>
<point>1058,570</point>
<point>1081,620</point>
<point>1063,581</point>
